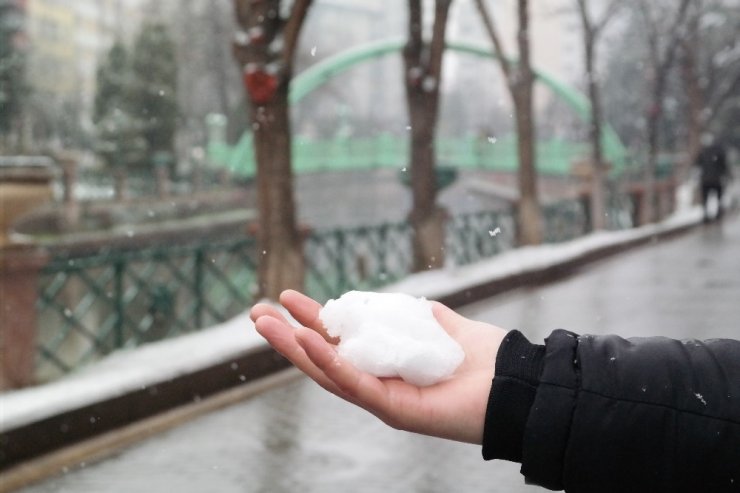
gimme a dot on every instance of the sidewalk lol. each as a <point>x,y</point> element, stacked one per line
<point>161,376</point>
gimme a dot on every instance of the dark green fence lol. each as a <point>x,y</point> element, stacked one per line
<point>92,304</point>
<point>356,258</point>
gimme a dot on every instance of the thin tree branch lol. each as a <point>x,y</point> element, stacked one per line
<point>651,28</point>
<point>490,27</point>
<point>292,29</point>
<point>675,33</point>
<point>716,104</point>
<point>608,15</point>
<point>241,12</point>
<point>413,49</point>
<point>524,67</point>
<point>585,18</point>
<point>437,45</point>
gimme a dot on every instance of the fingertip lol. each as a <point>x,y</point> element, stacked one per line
<point>260,323</point>
<point>442,311</point>
<point>268,326</point>
<point>257,311</point>
<point>288,294</point>
<point>448,318</point>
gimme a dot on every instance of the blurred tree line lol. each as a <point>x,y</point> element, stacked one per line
<point>13,85</point>
<point>135,110</point>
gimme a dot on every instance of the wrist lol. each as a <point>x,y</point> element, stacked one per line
<point>516,377</point>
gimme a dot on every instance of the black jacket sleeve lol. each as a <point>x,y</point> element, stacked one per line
<point>603,413</point>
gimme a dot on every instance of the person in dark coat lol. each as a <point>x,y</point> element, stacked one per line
<point>712,164</point>
<point>580,413</point>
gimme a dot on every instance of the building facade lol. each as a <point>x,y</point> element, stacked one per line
<point>66,39</point>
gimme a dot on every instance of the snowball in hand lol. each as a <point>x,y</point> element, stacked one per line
<point>392,335</point>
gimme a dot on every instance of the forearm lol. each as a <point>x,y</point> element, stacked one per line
<point>605,412</point>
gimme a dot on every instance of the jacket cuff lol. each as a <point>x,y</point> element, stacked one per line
<point>518,368</point>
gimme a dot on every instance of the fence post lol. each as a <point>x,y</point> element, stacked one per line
<point>342,278</point>
<point>198,286</point>
<point>19,277</point>
<point>71,214</point>
<point>120,306</point>
<point>639,211</point>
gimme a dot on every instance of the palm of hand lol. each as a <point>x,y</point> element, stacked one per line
<point>454,408</point>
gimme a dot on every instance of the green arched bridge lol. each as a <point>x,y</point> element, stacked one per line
<point>554,156</point>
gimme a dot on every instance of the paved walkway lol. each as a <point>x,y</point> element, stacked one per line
<point>299,438</point>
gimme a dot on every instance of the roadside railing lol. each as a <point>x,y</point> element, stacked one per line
<point>90,305</point>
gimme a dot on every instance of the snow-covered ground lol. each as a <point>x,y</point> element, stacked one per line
<point>129,370</point>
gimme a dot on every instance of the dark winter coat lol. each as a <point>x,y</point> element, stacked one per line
<point>712,162</point>
<point>602,413</point>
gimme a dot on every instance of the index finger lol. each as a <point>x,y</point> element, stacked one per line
<point>306,311</point>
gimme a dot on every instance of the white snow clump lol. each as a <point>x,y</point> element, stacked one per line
<point>392,335</point>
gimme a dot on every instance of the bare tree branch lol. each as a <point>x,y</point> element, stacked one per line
<point>414,45</point>
<point>676,32</point>
<point>585,17</point>
<point>495,38</point>
<point>607,16</point>
<point>437,45</point>
<point>292,29</point>
<point>524,67</point>
<point>716,104</point>
<point>241,12</point>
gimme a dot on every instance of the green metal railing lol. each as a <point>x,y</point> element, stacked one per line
<point>554,156</point>
<point>358,258</point>
<point>93,304</point>
<point>476,236</point>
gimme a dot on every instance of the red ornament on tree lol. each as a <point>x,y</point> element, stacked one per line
<point>260,85</point>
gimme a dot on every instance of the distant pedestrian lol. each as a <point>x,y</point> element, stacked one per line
<point>712,163</point>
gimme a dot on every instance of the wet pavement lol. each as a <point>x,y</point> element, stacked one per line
<point>688,287</point>
<point>298,438</point>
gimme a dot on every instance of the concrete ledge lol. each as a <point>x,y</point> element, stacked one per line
<point>39,437</point>
<point>109,443</point>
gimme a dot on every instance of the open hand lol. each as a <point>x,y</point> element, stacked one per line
<point>454,408</point>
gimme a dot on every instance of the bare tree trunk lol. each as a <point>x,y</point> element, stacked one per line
<point>267,74</point>
<point>530,217</point>
<point>694,93</point>
<point>647,214</point>
<point>591,31</point>
<point>423,70</point>
<point>281,264</point>
<point>661,61</point>
<point>598,195</point>
<point>219,60</point>
<point>520,80</point>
